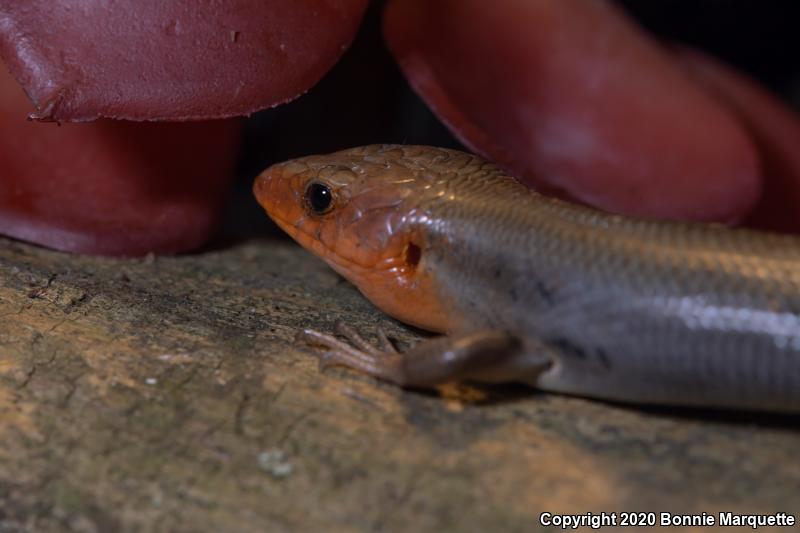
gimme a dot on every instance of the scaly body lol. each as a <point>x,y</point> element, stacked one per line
<point>541,291</point>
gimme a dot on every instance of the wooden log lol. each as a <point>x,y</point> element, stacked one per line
<point>168,394</point>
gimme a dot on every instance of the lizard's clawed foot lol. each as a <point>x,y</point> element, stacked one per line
<point>487,355</point>
<point>382,361</point>
<point>386,346</point>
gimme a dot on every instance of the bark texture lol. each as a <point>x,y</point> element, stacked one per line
<point>168,394</point>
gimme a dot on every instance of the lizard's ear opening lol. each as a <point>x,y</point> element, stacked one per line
<point>412,254</point>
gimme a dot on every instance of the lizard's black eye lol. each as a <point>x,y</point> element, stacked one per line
<point>319,197</point>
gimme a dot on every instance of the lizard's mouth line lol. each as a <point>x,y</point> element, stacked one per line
<point>336,260</point>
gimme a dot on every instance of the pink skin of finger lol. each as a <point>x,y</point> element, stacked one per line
<point>573,98</point>
<point>111,187</point>
<point>774,128</point>
<point>176,60</point>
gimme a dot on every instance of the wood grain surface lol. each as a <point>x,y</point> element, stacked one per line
<point>168,394</point>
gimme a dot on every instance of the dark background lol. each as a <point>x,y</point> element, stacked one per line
<point>365,99</point>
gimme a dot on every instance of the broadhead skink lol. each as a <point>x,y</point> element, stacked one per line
<point>536,290</point>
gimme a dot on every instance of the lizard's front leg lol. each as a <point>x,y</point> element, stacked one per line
<point>487,355</point>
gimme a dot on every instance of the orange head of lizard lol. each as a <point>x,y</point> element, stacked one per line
<point>359,210</point>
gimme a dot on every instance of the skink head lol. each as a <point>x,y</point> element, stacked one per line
<point>361,211</point>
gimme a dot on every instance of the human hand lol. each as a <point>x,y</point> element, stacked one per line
<point>573,98</point>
